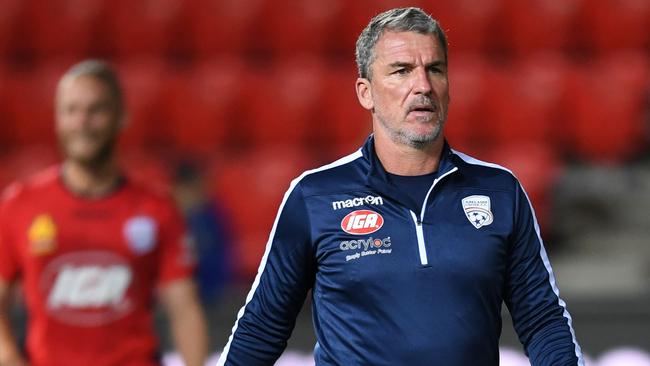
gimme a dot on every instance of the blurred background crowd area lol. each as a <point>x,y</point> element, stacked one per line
<point>231,99</point>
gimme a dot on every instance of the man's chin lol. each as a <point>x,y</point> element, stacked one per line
<point>88,159</point>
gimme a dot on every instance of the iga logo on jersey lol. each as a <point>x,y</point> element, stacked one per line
<point>88,288</point>
<point>362,222</point>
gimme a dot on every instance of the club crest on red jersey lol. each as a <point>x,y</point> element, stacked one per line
<point>42,235</point>
<point>362,222</point>
<point>141,233</point>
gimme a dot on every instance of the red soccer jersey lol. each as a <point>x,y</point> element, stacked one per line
<point>90,268</point>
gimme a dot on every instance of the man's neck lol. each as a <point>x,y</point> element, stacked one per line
<point>401,159</point>
<point>90,182</point>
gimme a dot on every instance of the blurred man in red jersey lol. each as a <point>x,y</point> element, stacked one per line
<point>93,247</point>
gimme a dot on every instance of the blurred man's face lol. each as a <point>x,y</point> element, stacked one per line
<point>409,89</point>
<point>87,120</point>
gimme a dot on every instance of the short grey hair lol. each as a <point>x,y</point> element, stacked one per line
<point>398,20</point>
<point>103,72</point>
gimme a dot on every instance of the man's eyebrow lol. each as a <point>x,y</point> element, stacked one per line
<point>399,64</point>
<point>438,63</point>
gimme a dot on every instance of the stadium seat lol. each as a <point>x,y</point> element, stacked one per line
<point>201,105</point>
<point>465,127</point>
<point>143,79</point>
<point>616,24</point>
<point>471,25</point>
<point>608,100</point>
<point>150,167</point>
<point>282,102</point>
<point>346,124</point>
<point>356,15</point>
<point>5,126</point>
<point>251,185</point>
<point>62,27</point>
<point>292,27</point>
<point>30,103</point>
<point>11,18</point>
<point>534,25</point>
<point>222,26</point>
<point>537,167</point>
<point>142,28</point>
<point>22,161</point>
<point>524,100</point>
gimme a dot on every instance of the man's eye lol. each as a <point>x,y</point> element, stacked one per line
<point>400,71</point>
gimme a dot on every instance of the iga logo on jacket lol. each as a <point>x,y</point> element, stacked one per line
<point>361,222</point>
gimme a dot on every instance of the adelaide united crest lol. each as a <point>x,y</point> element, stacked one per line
<point>477,210</point>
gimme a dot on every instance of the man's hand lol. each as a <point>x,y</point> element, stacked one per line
<point>9,354</point>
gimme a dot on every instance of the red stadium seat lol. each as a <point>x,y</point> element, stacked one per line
<point>142,28</point>
<point>282,102</point>
<point>202,106</point>
<point>23,161</point>
<point>11,17</point>
<point>608,106</point>
<point>142,80</point>
<point>346,123</point>
<point>222,26</point>
<point>616,24</point>
<point>356,15</point>
<point>537,167</point>
<point>471,25</point>
<point>5,126</point>
<point>466,118</point>
<point>292,27</point>
<point>536,25</point>
<point>30,103</point>
<point>251,185</point>
<point>524,100</point>
<point>62,27</point>
<point>146,166</point>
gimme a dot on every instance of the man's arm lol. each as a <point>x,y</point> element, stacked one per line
<point>9,272</point>
<point>9,352</point>
<point>186,320</point>
<point>285,276</point>
<point>540,317</point>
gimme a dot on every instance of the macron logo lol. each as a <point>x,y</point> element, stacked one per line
<point>357,201</point>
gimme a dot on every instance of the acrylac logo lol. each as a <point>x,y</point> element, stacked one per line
<point>362,222</point>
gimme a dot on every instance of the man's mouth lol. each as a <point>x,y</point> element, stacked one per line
<point>423,109</point>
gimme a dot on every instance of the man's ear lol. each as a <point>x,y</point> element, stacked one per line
<point>364,93</point>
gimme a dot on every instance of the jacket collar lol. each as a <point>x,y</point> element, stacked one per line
<point>379,180</point>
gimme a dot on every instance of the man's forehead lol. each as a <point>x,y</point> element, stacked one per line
<point>393,46</point>
<point>81,85</point>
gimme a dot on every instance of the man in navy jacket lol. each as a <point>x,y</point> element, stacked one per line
<point>409,247</point>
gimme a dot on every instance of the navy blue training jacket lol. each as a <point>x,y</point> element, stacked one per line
<point>392,286</point>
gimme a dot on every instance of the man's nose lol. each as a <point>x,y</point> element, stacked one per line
<point>422,83</point>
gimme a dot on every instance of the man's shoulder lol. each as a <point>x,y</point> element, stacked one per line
<point>36,184</point>
<point>483,173</point>
<point>348,171</point>
<point>148,192</point>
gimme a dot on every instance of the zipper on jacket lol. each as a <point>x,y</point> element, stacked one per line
<point>422,249</point>
<point>420,234</point>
